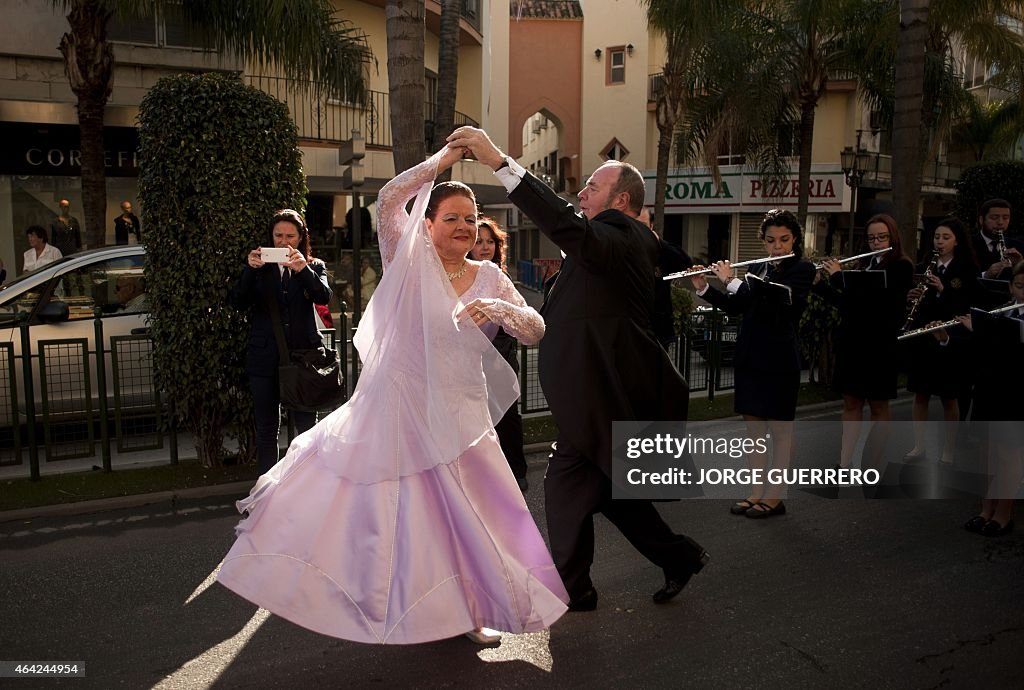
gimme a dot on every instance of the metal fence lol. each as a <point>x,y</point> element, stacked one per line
<point>58,403</point>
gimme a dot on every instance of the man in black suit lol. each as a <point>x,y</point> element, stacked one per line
<point>994,222</point>
<point>599,363</point>
<point>66,231</point>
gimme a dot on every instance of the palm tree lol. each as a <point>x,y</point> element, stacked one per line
<point>301,37</point>
<point>907,146</point>
<point>928,30</point>
<point>688,28</point>
<point>405,33</point>
<point>443,116</point>
<point>768,72</point>
<point>989,130</point>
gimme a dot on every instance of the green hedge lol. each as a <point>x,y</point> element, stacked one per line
<point>984,181</point>
<point>216,159</point>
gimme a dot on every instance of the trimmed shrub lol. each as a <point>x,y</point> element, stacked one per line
<point>216,159</point>
<point>991,180</point>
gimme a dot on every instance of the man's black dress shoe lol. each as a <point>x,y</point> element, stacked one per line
<point>676,581</point>
<point>586,602</point>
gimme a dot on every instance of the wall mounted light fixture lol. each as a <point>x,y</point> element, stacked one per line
<point>597,53</point>
<point>629,49</point>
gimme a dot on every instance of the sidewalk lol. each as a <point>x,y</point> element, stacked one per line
<point>536,455</point>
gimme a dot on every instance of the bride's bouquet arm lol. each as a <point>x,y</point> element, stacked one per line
<point>393,197</point>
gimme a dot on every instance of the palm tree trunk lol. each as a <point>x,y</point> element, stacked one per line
<point>907,149</point>
<point>405,27</point>
<point>661,180</point>
<point>807,109</point>
<point>447,76</point>
<point>89,62</point>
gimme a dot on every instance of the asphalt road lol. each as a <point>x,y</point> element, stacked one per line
<point>837,593</point>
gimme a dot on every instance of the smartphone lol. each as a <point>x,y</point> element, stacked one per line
<point>274,255</point>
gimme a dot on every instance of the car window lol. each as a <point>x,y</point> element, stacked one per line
<point>116,286</point>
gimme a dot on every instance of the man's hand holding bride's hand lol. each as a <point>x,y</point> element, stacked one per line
<point>477,143</point>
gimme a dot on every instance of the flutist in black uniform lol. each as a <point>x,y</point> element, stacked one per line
<point>767,359</point>
<point>867,353</point>
<point>934,367</point>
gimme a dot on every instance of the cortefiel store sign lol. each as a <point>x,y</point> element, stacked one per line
<point>693,190</point>
<point>55,150</point>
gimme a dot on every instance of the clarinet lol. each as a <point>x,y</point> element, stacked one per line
<point>1001,247</point>
<point>922,285</point>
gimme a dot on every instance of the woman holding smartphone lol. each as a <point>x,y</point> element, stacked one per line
<point>291,288</point>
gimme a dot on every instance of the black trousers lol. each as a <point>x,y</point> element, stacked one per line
<point>510,436</point>
<point>267,411</point>
<point>575,489</point>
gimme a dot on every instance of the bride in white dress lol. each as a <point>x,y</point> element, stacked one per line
<point>396,519</point>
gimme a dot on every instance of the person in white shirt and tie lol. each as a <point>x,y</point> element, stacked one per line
<point>994,221</point>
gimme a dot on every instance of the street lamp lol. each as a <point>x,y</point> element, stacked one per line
<point>854,162</point>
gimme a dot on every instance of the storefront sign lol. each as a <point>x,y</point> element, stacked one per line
<point>693,190</point>
<point>55,150</point>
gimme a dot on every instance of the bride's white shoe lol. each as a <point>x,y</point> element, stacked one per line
<point>484,636</point>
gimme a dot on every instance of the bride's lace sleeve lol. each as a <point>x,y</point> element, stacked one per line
<point>511,312</point>
<point>391,202</point>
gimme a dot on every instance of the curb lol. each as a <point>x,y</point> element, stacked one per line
<point>118,502</point>
<point>242,488</point>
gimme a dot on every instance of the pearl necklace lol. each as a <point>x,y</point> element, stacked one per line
<point>455,275</point>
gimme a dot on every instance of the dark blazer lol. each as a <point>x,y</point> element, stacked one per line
<point>599,359</point>
<point>767,338</point>
<point>66,238</point>
<point>123,228</point>
<point>307,287</point>
<point>987,257</point>
<point>867,352</point>
<point>943,370</point>
<point>671,259</point>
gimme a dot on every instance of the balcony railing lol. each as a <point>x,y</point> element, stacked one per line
<point>320,118</point>
<point>937,173</point>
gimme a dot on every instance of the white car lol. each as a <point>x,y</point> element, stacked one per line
<point>60,301</point>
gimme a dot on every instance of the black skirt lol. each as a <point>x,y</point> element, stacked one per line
<point>933,369</point>
<point>767,393</point>
<point>870,373</point>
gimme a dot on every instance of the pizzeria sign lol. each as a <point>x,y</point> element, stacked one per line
<point>693,190</point>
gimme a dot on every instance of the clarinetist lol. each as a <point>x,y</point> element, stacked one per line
<point>936,368</point>
<point>997,251</point>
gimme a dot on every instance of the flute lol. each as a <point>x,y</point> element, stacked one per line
<point>821,264</point>
<point>697,272</point>
<point>947,324</point>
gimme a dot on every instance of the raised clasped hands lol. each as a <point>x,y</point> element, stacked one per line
<point>475,143</point>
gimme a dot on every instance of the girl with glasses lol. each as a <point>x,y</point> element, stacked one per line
<point>866,367</point>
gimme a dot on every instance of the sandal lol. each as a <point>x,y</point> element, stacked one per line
<point>763,510</point>
<point>741,507</point>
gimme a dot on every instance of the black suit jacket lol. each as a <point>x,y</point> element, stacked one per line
<point>671,259</point>
<point>987,257</point>
<point>306,287</point>
<point>768,332</point>
<point>122,229</point>
<point>599,359</point>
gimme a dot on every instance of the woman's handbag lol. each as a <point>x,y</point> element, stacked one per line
<point>308,380</point>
